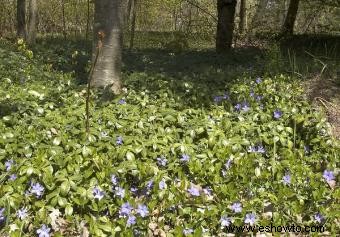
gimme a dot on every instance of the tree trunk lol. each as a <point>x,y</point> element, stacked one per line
<point>108,21</point>
<point>87,21</point>
<point>21,19</point>
<point>258,13</point>
<point>32,23</point>
<point>225,24</point>
<point>243,16</point>
<point>128,14</point>
<point>288,25</point>
<point>133,23</point>
<point>63,16</point>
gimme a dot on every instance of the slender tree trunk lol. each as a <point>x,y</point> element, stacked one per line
<point>258,13</point>
<point>189,15</point>
<point>63,16</point>
<point>175,18</point>
<point>32,23</point>
<point>288,25</point>
<point>128,14</point>
<point>21,19</point>
<point>87,21</point>
<point>243,16</point>
<point>133,23</point>
<point>78,28</point>
<point>225,24</point>
<point>108,21</point>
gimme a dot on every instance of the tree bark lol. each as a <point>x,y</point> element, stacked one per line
<point>87,21</point>
<point>225,24</point>
<point>108,21</point>
<point>63,18</point>
<point>21,19</point>
<point>133,24</point>
<point>32,23</point>
<point>288,25</point>
<point>258,13</point>
<point>243,16</point>
<point>128,14</point>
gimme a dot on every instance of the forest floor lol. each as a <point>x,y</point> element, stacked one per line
<point>195,134</point>
<point>325,92</point>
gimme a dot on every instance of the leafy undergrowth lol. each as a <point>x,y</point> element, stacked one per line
<point>252,153</point>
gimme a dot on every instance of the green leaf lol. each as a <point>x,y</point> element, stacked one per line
<point>68,210</point>
<point>65,187</point>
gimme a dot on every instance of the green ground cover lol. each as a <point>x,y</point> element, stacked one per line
<point>196,142</point>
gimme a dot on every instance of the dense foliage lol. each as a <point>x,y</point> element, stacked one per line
<point>164,157</point>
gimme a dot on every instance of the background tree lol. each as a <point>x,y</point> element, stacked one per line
<point>243,16</point>
<point>288,25</point>
<point>225,24</point>
<point>32,22</point>
<point>133,10</point>
<point>260,9</point>
<point>21,19</point>
<point>63,17</point>
<point>108,20</point>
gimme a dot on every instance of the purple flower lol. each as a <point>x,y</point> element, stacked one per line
<point>306,149</point>
<point>218,99</point>
<point>207,191</point>
<point>194,191</point>
<point>277,114</point>
<point>252,94</point>
<point>125,210</point>
<point>187,231</point>
<point>236,207</point>
<point>225,96</point>
<point>319,218</point>
<point>162,184</point>
<point>98,193</point>
<point>258,98</point>
<point>258,80</point>
<point>250,219</point>
<point>134,190</point>
<point>185,158</point>
<point>131,220</point>
<point>252,149</point>
<point>245,107</point>
<point>149,184</point>
<point>162,161</point>
<point>22,213</point>
<point>228,164</point>
<point>286,179</point>
<point>44,231</point>
<point>12,177</point>
<point>225,221</point>
<point>237,107</point>
<point>260,149</point>
<point>37,189</point>
<point>119,140</point>
<point>142,210</point>
<point>8,164</point>
<point>2,217</point>
<point>114,180</point>
<point>328,175</point>
<point>120,192</point>
<point>122,102</point>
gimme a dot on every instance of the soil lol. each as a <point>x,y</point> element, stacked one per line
<point>324,91</point>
